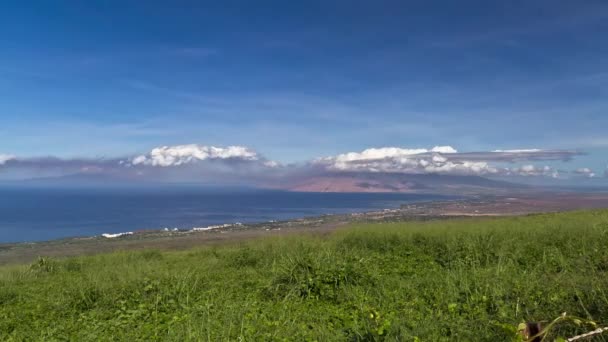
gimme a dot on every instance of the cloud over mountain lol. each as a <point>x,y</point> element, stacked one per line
<point>5,157</point>
<point>180,163</point>
<point>530,170</point>
<point>524,155</point>
<point>194,162</point>
<point>445,160</point>
<point>184,154</point>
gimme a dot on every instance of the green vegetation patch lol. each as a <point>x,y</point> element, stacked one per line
<point>455,280</point>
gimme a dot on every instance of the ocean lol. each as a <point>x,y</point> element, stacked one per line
<point>38,214</point>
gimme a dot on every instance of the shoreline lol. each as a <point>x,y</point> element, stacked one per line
<point>84,214</point>
<point>483,206</point>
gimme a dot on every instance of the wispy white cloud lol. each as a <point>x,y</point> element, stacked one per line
<point>530,170</point>
<point>529,150</point>
<point>585,171</point>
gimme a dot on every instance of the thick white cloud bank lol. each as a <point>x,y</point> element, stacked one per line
<point>5,157</point>
<point>184,154</point>
<point>385,153</point>
<point>445,160</point>
<point>444,149</point>
<point>395,159</point>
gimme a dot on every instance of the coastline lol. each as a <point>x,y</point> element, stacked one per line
<point>172,239</point>
<point>38,215</point>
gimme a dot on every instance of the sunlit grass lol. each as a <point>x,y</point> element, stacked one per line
<point>462,279</point>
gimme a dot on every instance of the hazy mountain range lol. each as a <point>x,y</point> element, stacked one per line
<point>440,169</point>
<point>328,182</point>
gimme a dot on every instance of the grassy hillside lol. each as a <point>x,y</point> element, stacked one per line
<point>463,279</point>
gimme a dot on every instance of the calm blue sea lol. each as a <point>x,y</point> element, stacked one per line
<point>36,214</point>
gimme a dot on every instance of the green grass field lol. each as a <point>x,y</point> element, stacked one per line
<point>452,280</point>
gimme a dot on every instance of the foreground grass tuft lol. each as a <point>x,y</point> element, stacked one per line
<point>462,279</point>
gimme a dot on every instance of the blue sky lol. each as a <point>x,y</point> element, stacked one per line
<point>300,80</point>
